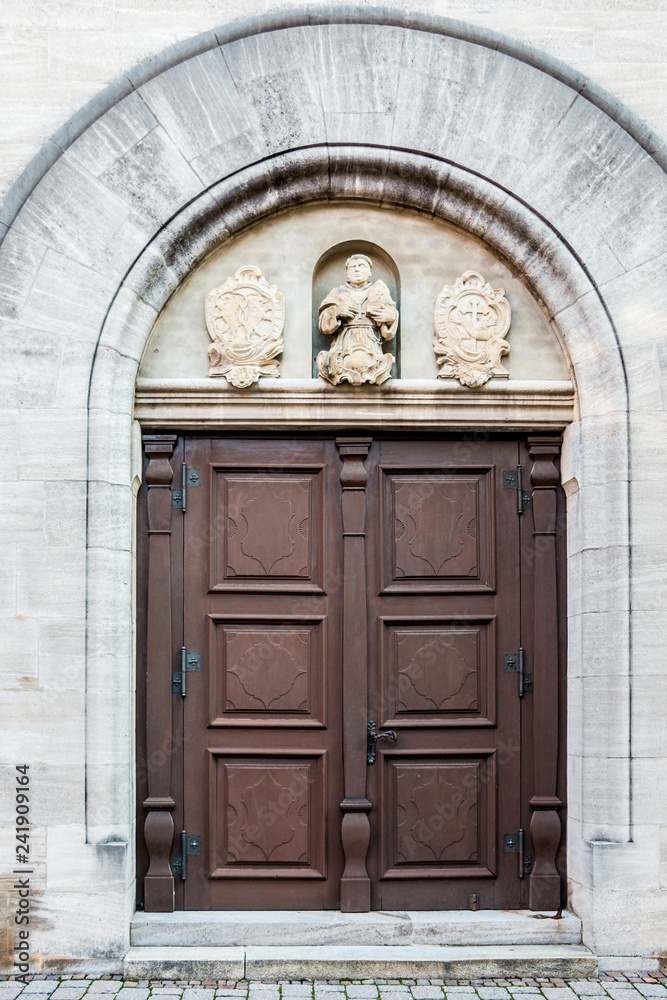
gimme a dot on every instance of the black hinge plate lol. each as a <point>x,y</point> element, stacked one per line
<point>512,481</point>
<point>191,477</point>
<point>192,662</point>
<point>511,661</point>
<point>193,846</point>
<point>511,843</point>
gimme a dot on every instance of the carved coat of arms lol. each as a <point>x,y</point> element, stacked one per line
<point>245,317</point>
<point>471,320</point>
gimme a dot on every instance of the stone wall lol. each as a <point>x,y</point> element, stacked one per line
<point>58,55</point>
<point>506,148</point>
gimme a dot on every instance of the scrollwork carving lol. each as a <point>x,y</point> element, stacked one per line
<point>471,320</point>
<point>245,318</point>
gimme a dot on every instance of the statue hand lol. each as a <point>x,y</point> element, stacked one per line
<point>346,312</point>
<point>383,314</point>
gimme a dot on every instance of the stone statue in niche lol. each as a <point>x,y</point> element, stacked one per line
<point>359,315</point>
<point>245,318</point>
<point>471,320</point>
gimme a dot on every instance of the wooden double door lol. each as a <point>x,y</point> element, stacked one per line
<point>331,583</point>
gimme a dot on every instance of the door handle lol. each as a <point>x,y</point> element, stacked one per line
<point>372,736</point>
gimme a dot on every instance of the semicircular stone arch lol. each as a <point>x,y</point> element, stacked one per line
<point>266,118</point>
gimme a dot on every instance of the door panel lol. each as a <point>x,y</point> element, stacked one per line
<point>438,673</point>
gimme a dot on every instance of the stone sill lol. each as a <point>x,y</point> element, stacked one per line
<point>311,404</point>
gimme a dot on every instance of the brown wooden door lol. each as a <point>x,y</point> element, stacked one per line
<point>444,606</point>
<point>263,718</point>
<point>263,730</point>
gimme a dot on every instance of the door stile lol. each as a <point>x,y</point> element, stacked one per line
<point>159,824</point>
<point>355,887</point>
<point>545,824</point>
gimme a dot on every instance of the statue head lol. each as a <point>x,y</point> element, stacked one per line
<point>359,268</point>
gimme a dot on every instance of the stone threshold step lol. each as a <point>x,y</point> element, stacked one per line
<point>350,962</point>
<point>287,928</point>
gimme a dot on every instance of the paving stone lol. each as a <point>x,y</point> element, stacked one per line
<point>586,988</point>
<point>496,993</point>
<point>427,992</point>
<point>558,993</point>
<point>361,992</point>
<point>652,989</point>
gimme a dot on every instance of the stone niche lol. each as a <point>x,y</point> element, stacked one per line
<point>303,253</point>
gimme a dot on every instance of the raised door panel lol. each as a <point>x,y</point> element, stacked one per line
<point>267,816</point>
<point>438,531</point>
<point>267,671</point>
<point>437,814</point>
<point>438,673</point>
<point>269,531</point>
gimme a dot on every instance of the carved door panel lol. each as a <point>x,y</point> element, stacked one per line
<point>444,605</point>
<point>262,719</point>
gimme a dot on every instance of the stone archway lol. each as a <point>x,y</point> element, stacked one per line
<point>113,226</point>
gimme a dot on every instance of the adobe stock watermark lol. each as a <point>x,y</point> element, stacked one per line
<point>22,872</point>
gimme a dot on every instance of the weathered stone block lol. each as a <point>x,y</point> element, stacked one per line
<point>87,218</point>
<point>114,135</point>
<point>197,104</point>
<point>53,444</point>
<point>22,522</point>
<point>67,298</point>
<point>62,651</point>
<point>500,142</point>
<point>357,66</point>
<point>19,666</point>
<point>153,178</point>
<point>56,742</point>
<point>51,582</point>
<point>19,261</point>
<point>227,157</point>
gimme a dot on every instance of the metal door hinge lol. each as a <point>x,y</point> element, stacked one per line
<point>513,844</point>
<point>189,661</point>
<point>514,664</point>
<point>189,845</point>
<point>189,478</point>
<point>513,480</point>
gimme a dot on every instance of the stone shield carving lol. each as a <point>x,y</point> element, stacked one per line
<point>471,320</point>
<point>245,317</point>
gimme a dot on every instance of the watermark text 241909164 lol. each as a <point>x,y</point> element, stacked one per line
<point>23,873</point>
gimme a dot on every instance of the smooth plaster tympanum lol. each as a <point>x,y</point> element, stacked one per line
<point>287,249</point>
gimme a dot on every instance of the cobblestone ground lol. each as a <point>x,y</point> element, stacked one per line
<point>612,985</point>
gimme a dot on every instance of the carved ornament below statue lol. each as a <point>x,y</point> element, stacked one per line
<point>360,315</point>
<point>471,320</point>
<point>245,318</point>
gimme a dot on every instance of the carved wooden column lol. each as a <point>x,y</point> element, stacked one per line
<point>545,827</point>
<point>159,826</point>
<point>355,887</point>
